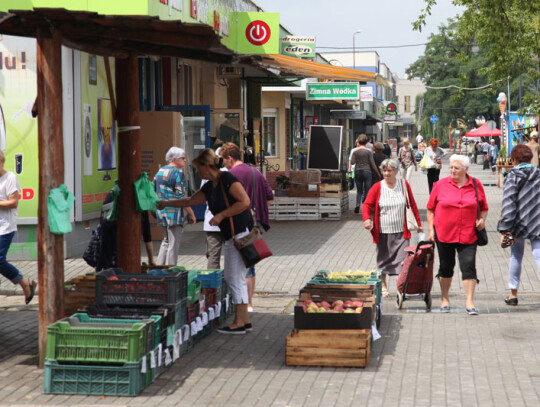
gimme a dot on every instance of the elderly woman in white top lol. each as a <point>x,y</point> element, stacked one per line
<point>406,158</point>
<point>384,214</point>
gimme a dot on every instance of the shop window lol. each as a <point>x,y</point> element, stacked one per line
<point>407,104</point>
<point>269,132</point>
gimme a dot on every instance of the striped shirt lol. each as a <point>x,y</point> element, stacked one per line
<point>392,208</point>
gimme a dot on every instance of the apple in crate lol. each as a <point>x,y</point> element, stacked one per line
<point>324,304</point>
<point>348,311</point>
<point>348,304</point>
<point>337,303</point>
<point>359,310</point>
<point>321,310</point>
<point>358,304</point>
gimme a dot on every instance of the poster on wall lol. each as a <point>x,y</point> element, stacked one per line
<point>519,125</point>
<point>98,148</point>
<point>18,129</point>
<point>106,136</point>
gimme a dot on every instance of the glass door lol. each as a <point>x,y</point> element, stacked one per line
<point>227,125</point>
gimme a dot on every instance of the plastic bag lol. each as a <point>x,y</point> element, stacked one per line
<point>145,196</point>
<point>59,204</point>
<point>426,162</point>
<point>112,214</point>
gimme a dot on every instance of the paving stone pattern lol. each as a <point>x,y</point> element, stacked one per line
<point>423,358</point>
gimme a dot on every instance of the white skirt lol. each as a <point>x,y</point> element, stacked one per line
<point>235,271</point>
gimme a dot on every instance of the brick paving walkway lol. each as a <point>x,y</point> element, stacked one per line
<point>423,358</point>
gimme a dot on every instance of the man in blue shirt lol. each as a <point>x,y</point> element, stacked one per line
<point>170,183</point>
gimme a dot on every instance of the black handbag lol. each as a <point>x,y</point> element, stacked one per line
<point>481,235</point>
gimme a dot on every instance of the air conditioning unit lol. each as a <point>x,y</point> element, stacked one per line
<point>227,71</point>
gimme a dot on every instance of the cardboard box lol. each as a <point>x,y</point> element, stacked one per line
<point>305,177</point>
<point>159,132</point>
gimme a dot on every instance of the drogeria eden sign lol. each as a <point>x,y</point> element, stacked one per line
<point>333,91</point>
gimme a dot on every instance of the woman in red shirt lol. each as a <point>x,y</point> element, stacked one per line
<point>452,221</point>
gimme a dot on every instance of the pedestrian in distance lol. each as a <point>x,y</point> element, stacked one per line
<point>378,157</point>
<point>9,201</point>
<point>493,153</point>
<point>260,194</point>
<point>351,167</point>
<point>383,214</point>
<point>452,221</point>
<point>224,187</point>
<point>365,165</point>
<point>435,155</point>
<point>535,148</point>
<point>387,149</point>
<point>406,159</point>
<point>170,183</point>
<point>519,215</point>
<point>419,139</point>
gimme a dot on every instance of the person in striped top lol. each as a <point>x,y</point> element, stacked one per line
<point>383,213</point>
<point>520,214</point>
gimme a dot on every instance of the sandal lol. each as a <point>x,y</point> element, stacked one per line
<point>385,292</point>
<point>511,301</point>
<point>32,287</point>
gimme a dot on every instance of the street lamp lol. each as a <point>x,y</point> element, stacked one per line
<point>354,49</point>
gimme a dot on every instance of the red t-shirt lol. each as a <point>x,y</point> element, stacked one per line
<point>455,210</point>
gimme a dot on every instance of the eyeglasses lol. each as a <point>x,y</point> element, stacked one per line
<point>457,168</point>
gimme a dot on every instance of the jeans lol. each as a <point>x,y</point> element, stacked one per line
<point>447,259</point>
<point>8,270</point>
<point>168,251</point>
<point>516,256</point>
<point>362,178</point>
<point>432,177</point>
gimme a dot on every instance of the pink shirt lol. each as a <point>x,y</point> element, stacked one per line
<point>455,210</point>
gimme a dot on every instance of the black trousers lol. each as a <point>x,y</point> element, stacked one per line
<point>447,259</point>
<point>432,177</point>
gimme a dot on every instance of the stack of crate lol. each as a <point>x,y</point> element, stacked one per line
<point>308,209</point>
<point>284,208</point>
<point>330,208</point>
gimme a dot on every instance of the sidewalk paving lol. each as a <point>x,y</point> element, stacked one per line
<point>423,358</point>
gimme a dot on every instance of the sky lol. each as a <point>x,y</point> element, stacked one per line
<point>382,22</point>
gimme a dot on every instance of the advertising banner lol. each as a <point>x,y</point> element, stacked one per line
<point>255,33</point>
<point>519,125</point>
<point>99,135</point>
<point>366,94</point>
<point>298,46</point>
<point>18,129</point>
<point>333,91</point>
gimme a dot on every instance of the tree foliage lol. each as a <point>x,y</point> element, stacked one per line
<point>450,64</point>
<point>509,33</point>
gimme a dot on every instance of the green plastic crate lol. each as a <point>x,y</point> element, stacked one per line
<point>194,291</point>
<point>125,380</point>
<point>97,343</point>
<point>152,340</point>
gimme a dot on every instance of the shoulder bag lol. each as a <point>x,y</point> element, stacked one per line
<point>412,224</point>
<point>481,235</point>
<point>252,247</point>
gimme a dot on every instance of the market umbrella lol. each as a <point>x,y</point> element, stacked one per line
<point>484,131</point>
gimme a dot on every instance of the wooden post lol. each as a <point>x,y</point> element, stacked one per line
<point>51,175</point>
<point>129,163</point>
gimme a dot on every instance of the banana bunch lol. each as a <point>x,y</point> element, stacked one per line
<point>350,275</point>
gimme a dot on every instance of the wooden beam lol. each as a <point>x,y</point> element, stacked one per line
<point>51,175</point>
<point>110,86</point>
<point>129,163</point>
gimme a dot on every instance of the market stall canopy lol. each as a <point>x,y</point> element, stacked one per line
<point>119,36</point>
<point>483,131</point>
<point>295,67</point>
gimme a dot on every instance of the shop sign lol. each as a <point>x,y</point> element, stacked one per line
<point>349,114</point>
<point>256,33</point>
<point>391,108</point>
<point>298,46</point>
<point>390,118</point>
<point>366,94</point>
<point>333,91</point>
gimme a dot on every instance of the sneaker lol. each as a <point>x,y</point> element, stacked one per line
<point>357,209</point>
<point>248,327</point>
<point>472,311</point>
<point>241,330</point>
<point>445,309</point>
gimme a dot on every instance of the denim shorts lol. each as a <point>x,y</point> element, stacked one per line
<point>250,272</point>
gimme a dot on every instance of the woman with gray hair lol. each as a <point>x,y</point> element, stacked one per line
<point>452,220</point>
<point>383,213</point>
<point>170,183</point>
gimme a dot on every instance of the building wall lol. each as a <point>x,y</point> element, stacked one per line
<point>277,100</point>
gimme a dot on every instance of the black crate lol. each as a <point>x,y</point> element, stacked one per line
<point>325,320</point>
<point>118,288</point>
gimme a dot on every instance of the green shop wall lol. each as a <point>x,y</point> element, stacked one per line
<point>99,134</point>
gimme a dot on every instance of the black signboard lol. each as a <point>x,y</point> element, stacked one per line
<point>324,148</point>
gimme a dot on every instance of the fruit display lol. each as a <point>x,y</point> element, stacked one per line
<point>356,276</point>
<point>337,307</point>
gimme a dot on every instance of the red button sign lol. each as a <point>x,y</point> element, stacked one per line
<point>258,32</point>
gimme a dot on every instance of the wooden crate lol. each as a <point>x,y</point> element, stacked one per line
<point>308,203</point>
<point>308,214</point>
<point>339,292</point>
<point>321,347</point>
<point>81,292</point>
<point>330,190</point>
<point>329,205</point>
<point>331,215</point>
<point>303,191</point>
